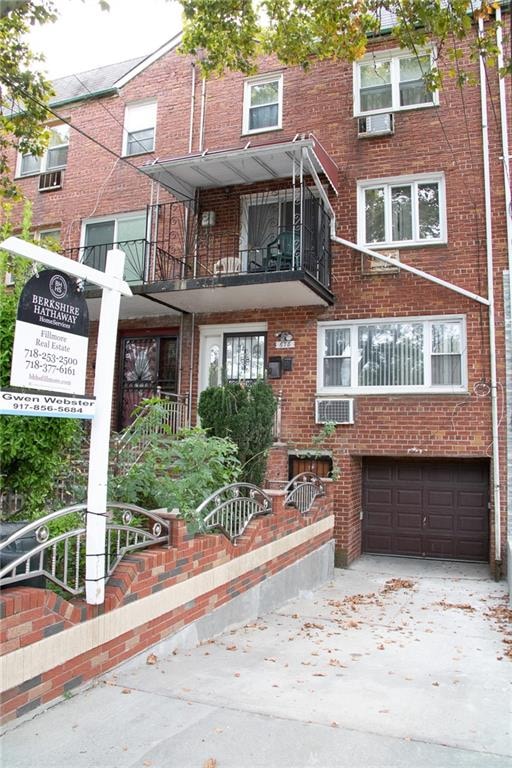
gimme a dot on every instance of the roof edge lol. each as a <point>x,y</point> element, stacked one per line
<point>170,45</point>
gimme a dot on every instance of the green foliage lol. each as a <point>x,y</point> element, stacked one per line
<point>231,34</point>
<point>34,451</point>
<point>246,415</point>
<point>176,471</point>
<point>25,92</point>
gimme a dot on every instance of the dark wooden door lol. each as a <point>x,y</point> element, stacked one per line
<point>426,508</point>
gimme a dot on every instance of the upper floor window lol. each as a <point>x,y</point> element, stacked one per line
<point>139,128</point>
<point>406,210</point>
<point>385,83</point>
<point>383,356</point>
<point>263,104</point>
<point>54,158</point>
<point>127,231</point>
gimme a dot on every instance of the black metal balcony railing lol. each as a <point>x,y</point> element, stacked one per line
<point>296,240</point>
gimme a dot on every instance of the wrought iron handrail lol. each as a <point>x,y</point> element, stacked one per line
<point>171,415</point>
<point>231,508</point>
<point>60,558</point>
<point>302,490</point>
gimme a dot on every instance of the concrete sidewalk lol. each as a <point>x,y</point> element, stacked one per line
<point>395,663</point>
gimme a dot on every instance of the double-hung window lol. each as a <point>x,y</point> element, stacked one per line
<point>387,82</point>
<point>406,210</point>
<point>54,158</point>
<point>263,104</point>
<point>139,128</point>
<point>392,356</point>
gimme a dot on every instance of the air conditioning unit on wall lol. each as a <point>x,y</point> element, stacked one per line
<point>375,125</point>
<point>334,411</point>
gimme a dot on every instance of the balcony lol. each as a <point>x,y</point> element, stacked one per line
<point>193,258</point>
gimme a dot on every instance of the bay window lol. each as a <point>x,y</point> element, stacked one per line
<point>386,356</point>
<point>406,210</point>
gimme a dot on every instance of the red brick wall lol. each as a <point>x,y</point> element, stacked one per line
<point>446,138</point>
<point>30,615</point>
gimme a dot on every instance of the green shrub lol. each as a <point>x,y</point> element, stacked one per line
<point>34,450</point>
<point>179,470</point>
<point>245,414</point>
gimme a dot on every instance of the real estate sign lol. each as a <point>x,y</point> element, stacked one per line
<point>51,335</point>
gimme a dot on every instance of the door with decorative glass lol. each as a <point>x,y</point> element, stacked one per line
<point>148,363</point>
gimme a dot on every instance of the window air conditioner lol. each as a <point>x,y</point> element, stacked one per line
<point>50,180</point>
<point>375,125</point>
<point>370,266</point>
<point>339,411</point>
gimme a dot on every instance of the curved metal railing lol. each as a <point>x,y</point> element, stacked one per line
<point>231,509</point>
<point>302,491</point>
<point>54,549</point>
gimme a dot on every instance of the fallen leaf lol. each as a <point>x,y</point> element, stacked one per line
<point>210,763</point>
<point>334,724</point>
<point>230,647</point>
<point>126,690</point>
<point>237,674</point>
<point>436,685</point>
<point>319,674</point>
<point>151,659</point>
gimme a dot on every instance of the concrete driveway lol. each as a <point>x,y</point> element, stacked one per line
<point>394,663</point>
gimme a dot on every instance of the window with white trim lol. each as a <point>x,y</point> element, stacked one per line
<point>139,128</point>
<point>392,356</point>
<point>405,210</point>
<point>387,82</point>
<point>263,104</point>
<point>232,353</point>
<point>54,158</point>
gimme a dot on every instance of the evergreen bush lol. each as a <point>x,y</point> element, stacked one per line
<point>245,414</point>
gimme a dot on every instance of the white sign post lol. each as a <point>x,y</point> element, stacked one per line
<point>113,287</point>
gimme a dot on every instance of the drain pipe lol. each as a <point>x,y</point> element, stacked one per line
<point>495,455</point>
<point>505,151</point>
<point>201,119</point>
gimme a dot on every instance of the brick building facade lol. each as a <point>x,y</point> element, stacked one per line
<point>226,195</point>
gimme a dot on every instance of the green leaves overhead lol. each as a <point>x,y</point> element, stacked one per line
<point>231,34</point>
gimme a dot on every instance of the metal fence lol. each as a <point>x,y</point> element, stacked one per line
<point>53,547</point>
<point>302,490</point>
<point>231,509</point>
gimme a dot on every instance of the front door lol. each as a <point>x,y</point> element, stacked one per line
<point>148,362</point>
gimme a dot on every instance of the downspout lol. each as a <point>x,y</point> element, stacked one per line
<point>505,151</point>
<point>192,108</point>
<point>495,455</point>
<point>202,118</point>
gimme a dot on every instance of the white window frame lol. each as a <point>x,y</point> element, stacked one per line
<point>116,218</point>
<point>131,106</point>
<point>261,80</point>
<point>394,58</point>
<point>426,388</point>
<point>41,233</point>
<point>391,181</point>
<point>214,334</point>
<point>43,160</point>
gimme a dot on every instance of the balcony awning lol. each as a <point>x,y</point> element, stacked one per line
<point>182,176</point>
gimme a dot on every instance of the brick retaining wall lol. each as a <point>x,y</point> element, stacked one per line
<point>151,595</point>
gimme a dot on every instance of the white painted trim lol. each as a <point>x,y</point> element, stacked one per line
<point>115,217</point>
<point>393,56</point>
<point>437,177</point>
<point>209,334</point>
<point>166,48</point>
<point>25,663</point>
<point>259,80</point>
<point>133,105</point>
<point>423,389</point>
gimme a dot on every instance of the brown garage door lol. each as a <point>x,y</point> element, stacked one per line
<point>426,508</point>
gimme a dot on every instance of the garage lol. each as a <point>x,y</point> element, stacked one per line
<point>434,508</point>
